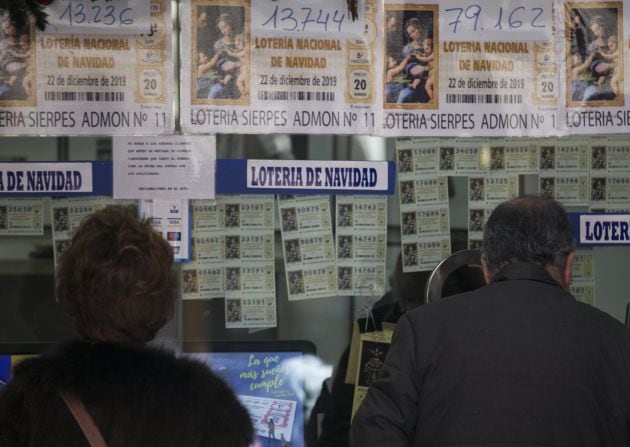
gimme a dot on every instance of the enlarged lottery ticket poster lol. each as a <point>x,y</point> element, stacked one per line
<point>564,167</point>
<point>452,68</point>
<point>583,276</point>
<point>361,244</point>
<point>424,216</point>
<point>116,84</point>
<point>307,245</point>
<point>593,65</point>
<point>609,172</point>
<point>280,66</point>
<point>21,217</point>
<point>67,215</point>
<point>232,256</point>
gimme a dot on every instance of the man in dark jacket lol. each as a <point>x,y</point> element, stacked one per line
<point>115,281</point>
<point>517,362</point>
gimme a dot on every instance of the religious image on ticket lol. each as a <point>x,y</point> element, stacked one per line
<point>18,81</point>
<point>220,53</point>
<point>594,54</point>
<point>411,57</point>
<point>190,281</point>
<point>598,189</point>
<point>547,187</point>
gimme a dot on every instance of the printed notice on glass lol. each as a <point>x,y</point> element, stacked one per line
<point>307,244</point>
<point>468,68</point>
<point>173,166</point>
<point>21,217</point>
<point>361,244</point>
<point>115,84</point>
<point>279,66</point>
<point>593,56</point>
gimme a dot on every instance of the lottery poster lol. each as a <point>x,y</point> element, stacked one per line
<point>59,83</point>
<point>593,66</point>
<point>361,244</point>
<point>468,69</point>
<point>307,245</point>
<point>281,66</point>
<point>21,217</point>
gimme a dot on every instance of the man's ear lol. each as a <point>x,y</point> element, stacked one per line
<point>487,275</point>
<point>566,271</point>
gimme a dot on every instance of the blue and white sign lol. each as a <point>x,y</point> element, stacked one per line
<point>38,178</point>
<point>322,176</point>
<point>602,229</point>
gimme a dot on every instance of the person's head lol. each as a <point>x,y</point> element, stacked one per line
<point>239,41</point>
<point>202,57</point>
<point>408,288</point>
<point>413,29</point>
<point>612,42</point>
<point>25,41</point>
<point>115,277</point>
<point>7,27</point>
<point>597,26</point>
<point>427,45</point>
<point>529,229</point>
<point>225,25</point>
<point>202,19</point>
<point>392,23</point>
<point>391,61</point>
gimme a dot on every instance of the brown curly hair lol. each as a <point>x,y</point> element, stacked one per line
<point>115,277</point>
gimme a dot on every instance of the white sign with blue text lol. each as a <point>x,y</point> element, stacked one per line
<point>29,178</point>
<point>605,229</point>
<point>317,175</point>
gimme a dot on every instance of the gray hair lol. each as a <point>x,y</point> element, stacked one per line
<point>527,229</point>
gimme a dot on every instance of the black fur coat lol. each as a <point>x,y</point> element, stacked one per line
<point>137,396</point>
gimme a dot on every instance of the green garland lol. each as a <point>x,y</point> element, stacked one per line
<point>20,11</point>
